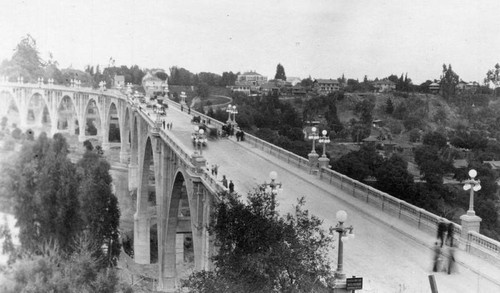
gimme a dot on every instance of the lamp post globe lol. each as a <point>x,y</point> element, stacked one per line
<point>341,216</point>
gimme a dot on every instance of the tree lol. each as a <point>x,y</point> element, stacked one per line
<point>492,76</point>
<point>389,106</point>
<point>44,187</point>
<point>51,271</point>
<point>261,251</point>
<point>435,138</point>
<point>203,91</point>
<point>54,202</point>
<point>25,62</point>
<point>99,206</point>
<point>449,81</point>
<point>393,177</point>
<point>280,72</point>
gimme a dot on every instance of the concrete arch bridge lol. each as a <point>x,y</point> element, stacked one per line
<point>175,188</point>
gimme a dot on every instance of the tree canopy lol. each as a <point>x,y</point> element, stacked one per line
<point>280,72</point>
<point>261,251</point>
<point>56,200</point>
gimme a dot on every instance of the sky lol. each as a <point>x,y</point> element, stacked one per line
<point>317,38</point>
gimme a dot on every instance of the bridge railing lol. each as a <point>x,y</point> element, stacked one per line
<point>481,245</point>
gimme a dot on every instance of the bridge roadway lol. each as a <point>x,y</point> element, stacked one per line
<point>388,259</point>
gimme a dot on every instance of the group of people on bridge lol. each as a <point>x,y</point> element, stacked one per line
<point>444,238</point>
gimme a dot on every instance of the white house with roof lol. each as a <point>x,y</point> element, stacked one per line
<point>248,82</point>
<point>251,78</point>
<point>384,85</point>
<point>152,83</point>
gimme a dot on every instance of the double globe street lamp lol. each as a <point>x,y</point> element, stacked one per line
<point>231,110</point>
<point>273,187</point>
<point>472,185</point>
<point>199,139</point>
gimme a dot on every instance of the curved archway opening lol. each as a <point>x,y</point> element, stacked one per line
<point>114,124</point>
<point>11,118</point>
<point>92,119</point>
<point>66,116</point>
<point>179,231</point>
<point>146,237</point>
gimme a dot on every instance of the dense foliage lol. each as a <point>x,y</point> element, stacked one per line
<point>261,251</point>
<point>53,271</point>
<point>56,200</point>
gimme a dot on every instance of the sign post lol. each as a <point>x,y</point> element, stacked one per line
<point>354,283</point>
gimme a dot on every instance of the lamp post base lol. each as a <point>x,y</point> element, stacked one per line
<point>313,162</point>
<point>323,162</point>
<point>470,222</point>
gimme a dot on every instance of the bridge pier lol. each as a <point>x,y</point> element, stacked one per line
<point>133,170</point>
<point>142,251</point>
<point>124,156</point>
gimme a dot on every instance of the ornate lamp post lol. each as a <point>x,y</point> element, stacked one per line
<point>472,185</point>
<point>313,156</point>
<point>470,222</point>
<point>199,139</point>
<point>313,136</point>
<point>228,110</point>
<point>324,139</point>
<point>273,187</point>
<point>231,109</point>
<point>343,236</point>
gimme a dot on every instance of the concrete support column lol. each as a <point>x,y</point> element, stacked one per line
<point>105,139</point>
<point>168,278</point>
<point>53,128</point>
<point>142,239</point>
<point>81,136</point>
<point>133,176</point>
<point>124,156</point>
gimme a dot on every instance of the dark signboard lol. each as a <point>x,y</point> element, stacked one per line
<point>354,283</point>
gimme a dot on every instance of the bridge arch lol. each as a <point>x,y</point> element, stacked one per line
<point>10,108</point>
<point>67,116</point>
<point>113,123</point>
<point>178,240</point>
<point>92,118</point>
<point>145,207</point>
<point>38,112</point>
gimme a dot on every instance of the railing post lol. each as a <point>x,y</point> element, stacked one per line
<point>419,217</point>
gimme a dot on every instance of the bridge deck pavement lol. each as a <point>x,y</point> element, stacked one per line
<point>391,255</point>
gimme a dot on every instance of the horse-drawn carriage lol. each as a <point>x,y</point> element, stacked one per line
<point>196,119</point>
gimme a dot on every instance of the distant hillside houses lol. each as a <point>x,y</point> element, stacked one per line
<point>326,86</point>
<point>383,86</point>
<point>248,82</point>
